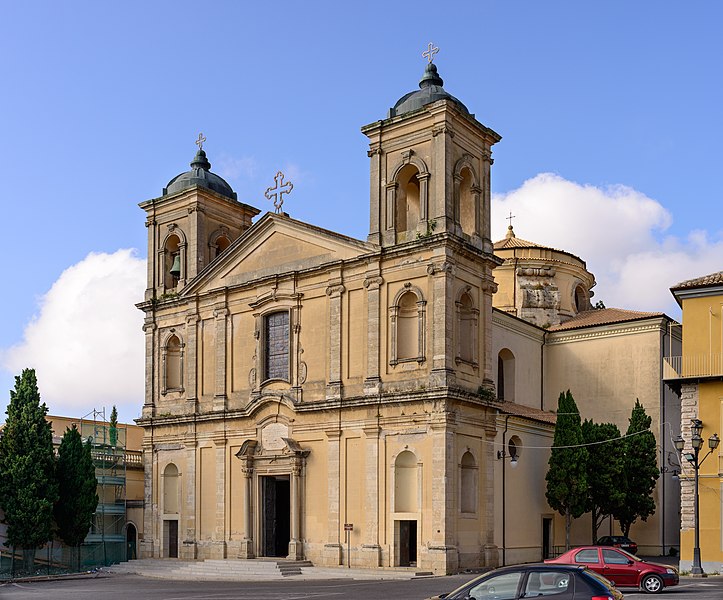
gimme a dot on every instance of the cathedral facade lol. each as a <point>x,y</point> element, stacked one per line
<point>310,395</point>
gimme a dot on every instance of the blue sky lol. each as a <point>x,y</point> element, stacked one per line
<point>609,112</point>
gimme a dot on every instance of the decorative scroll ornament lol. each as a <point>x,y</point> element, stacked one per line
<point>430,52</point>
<point>277,192</point>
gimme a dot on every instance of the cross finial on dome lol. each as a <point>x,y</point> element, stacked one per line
<point>510,231</point>
<point>430,52</point>
<point>200,140</point>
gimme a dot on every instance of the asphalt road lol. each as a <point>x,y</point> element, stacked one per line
<point>122,587</point>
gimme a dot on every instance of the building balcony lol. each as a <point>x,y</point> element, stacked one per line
<point>695,366</point>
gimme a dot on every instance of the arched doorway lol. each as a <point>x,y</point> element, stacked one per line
<point>131,542</point>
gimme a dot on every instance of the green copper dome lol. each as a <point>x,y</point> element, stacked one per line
<point>430,90</point>
<point>200,174</point>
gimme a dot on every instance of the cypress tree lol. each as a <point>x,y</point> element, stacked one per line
<point>28,487</point>
<point>567,488</point>
<point>641,470</point>
<point>113,426</point>
<point>77,484</point>
<point>605,471</point>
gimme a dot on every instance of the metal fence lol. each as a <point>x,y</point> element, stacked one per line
<point>57,559</point>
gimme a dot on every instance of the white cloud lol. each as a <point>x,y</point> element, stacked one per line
<point>232,168</point>
<point>86,343</point>
<point>618,231</point>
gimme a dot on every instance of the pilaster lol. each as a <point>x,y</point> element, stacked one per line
<point>334,291</point>
<point>373,283</point>
<point>332,549</point>
<point>189,543</point>
<point>221,321</point>
<point>442,274</point>
<point>150,328</point>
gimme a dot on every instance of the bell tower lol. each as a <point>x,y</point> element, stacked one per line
<point>196,218</point>
<point>430,169</point>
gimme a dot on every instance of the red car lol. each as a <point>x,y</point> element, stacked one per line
<point>620,567</point>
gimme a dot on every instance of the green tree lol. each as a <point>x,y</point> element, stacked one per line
<point>605,468</point>
<point>113,426</point>
<point>640,469</point>
<point>567,472</point>
<point>28,487</point>
<point>77,497</point>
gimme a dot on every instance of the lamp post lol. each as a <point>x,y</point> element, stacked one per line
<point>696,442</point>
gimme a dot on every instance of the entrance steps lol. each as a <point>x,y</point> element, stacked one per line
<point>258,569</point>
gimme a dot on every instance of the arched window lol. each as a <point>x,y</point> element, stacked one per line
<point>276,345</point>
<point>170,489</point>
<point>172,264</point>
<point>506,375</point>
<point>466,329</point>
<point>222,242</point>
<point>172,364</point>
<point>408,326</point>
<point>581,301</point>
<point>467,204</point>
<point>408,198</point>
<point>406,482</point>
<point>468,483</point>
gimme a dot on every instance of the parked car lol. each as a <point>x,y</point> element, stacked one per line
<point>564,582</point>
<point>618,541</point>
<point>620,567</point>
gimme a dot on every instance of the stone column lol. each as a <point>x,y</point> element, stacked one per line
<point>443,553</point>
<point>371,550</point>
<point>296,546</point>
<point>219,398</point>
<point>485,233</point>
<point>372,381</point>
<point>442,274</point>
<point>189,549</point>
<point>334,385</point>
<point>332,549</point>
<point>247,544</point>
<point>484,326</point>
<point>375,204</point>
<point>149,328</point>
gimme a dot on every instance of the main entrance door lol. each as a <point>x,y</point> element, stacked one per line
<point>407,543</point>
<point>275,515</point>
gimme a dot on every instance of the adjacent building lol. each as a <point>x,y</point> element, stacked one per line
<point>697,373</point>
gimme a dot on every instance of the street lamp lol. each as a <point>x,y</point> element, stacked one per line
<point>696,442</point>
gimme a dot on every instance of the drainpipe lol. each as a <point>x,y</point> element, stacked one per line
<point>504,510</point>
<point>662,438</point>
<point>542,370</point>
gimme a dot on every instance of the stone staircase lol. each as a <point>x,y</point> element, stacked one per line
<point>258,569</point>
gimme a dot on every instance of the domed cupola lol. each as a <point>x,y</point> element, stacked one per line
<point>430,90</point>
<point>200,174</point>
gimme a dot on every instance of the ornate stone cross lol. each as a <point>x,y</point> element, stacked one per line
<point>200,140</point>
<point>277,192</point>
<point>430,52</point>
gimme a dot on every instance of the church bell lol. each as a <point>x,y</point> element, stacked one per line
<point>176,268</point>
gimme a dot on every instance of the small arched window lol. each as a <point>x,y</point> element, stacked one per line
<point>170,489</point>
<point>506,375</point>
<point>468,483</point>
<point>466,329</point>
<point>173,364</point>
<point>581,301</point>
<point>408,326</point>
<point>406,483</point>
<point>222,242</point>
<point>407,202</point>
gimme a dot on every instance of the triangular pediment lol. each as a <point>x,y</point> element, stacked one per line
<point>274,245</point>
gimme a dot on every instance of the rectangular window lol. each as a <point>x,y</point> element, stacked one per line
<point>276,346</point>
